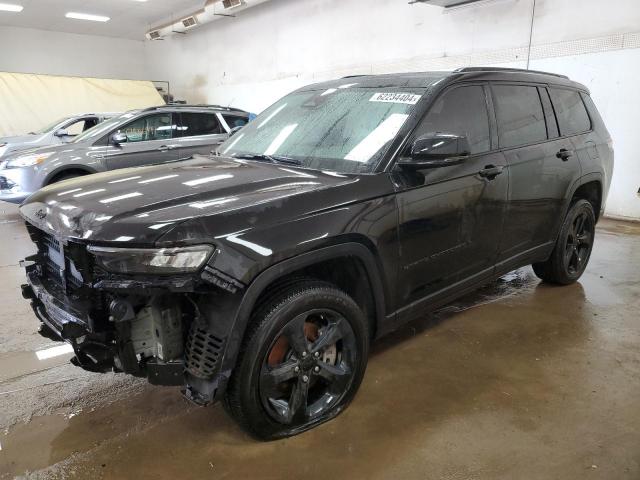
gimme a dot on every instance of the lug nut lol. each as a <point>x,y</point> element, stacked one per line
<point>305,379</point>
<point>297,369</point>
<point>317,369</point>
<point>304,354</point>
<point>317,354</point>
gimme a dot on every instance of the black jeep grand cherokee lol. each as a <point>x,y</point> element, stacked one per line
<point>261,274</point>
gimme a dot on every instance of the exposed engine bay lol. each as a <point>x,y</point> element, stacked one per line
<point>150,328</point>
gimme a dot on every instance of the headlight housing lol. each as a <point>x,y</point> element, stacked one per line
<point>28,160</point>
<point>152,261</point>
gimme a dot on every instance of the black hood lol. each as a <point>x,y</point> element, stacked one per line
<point>140,205</point>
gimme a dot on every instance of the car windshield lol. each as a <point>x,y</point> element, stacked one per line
<point>51,126</point>
<point>99,130</point>
<point>345,129</point>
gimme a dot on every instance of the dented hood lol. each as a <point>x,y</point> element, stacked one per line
<point>137,206</point>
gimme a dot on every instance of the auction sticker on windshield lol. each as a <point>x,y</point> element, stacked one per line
<point>408,98</point>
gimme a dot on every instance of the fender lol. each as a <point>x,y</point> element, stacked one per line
<point>267,276</point>
<point>64,168</point>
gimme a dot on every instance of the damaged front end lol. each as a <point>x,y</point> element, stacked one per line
<point>122,312</point>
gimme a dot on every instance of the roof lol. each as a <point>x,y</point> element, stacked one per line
<point>427,79</point>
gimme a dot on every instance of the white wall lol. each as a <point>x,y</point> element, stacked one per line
<point>26,50</point>
<point>271,49</point>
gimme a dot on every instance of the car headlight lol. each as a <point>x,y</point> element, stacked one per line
<point>28,160</point>
<point>152,261</point>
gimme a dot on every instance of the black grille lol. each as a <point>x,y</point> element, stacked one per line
<point>58,267</point>
<point>203,350</point>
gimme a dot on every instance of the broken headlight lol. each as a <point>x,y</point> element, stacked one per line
<point>152,261</point>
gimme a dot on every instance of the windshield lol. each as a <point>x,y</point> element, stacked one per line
<point>102,128</point>
<point>344,129</point>
<point>51,127</point>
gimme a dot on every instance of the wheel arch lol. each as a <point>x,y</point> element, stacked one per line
<point>81,169</point>
<point>300,263</point>
<point>588,187</point>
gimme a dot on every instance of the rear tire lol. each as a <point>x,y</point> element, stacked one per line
<point>302,360</point>
<point>572,251</point>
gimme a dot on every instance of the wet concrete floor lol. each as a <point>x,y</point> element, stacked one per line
<point>519,380</point>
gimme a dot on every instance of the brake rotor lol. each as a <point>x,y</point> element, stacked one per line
<point>280,349</point>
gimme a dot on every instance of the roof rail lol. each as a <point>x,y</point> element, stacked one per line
<point>499,69</point>
<point>184,105</point>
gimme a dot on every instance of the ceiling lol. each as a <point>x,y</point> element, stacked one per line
<point>129,18</point>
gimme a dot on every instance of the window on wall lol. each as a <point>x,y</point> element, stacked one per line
<point>461,111</point>
<point>570,110</point>
<point>519,114</point>
<point>193,124</point>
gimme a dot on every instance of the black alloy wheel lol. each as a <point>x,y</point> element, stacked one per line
<point>309,367</point>
<point>573,247</point>
<point>302,360</point>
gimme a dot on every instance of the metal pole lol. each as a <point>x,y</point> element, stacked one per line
<point>533,16</point>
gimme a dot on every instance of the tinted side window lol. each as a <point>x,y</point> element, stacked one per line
<point>571,112</point>
<point>461,111</point>
<point>235,120</point>
<point>519,114</point>
<point>151,127</point>
<point>192,124</point>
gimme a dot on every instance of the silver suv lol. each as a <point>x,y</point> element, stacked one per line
<point>138,137</point>
<point>61,131</point>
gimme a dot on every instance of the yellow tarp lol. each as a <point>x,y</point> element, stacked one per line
<point>29,102</point>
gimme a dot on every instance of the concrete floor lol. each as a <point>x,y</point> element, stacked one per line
<point>517,381</point>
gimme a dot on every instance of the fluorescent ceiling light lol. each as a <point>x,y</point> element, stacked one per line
<point>10,7</point>
<point>86,16</point>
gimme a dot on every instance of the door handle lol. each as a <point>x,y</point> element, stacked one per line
<point>166,148</point>
<point>491,171</point>
<point>564,154</point>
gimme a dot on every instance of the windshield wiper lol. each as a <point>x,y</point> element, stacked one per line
<point>262,157</point>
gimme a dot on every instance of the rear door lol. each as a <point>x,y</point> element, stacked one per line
<point>542,168</point>
<point>574,122</point>
<point>150,139</point>
<point>198,132</point>
<point>451,217</point>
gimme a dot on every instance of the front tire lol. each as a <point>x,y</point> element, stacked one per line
<point>572,251</point>
<point>302,360</point>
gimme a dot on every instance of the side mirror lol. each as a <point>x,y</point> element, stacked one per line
<point>234,130</point>
<point>118,138</point>
<point>61,133</point>
<point>436,150</point>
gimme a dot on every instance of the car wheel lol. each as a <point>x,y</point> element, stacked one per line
<point>571,253</point>
<point>302,360</point>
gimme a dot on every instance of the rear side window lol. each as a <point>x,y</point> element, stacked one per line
<point>519,114</point>
<point>235,120</point>
<point>570,110</point>
<point>192,124</point>
<point>149,128</point>
<point>461,111</point>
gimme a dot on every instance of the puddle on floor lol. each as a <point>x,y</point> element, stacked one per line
<point>14,365</point>
<point>43,441</point>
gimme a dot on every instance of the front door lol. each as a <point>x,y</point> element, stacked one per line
<point>150,140</point>
<point>451,217</point>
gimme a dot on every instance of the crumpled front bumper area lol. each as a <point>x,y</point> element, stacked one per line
<point>62,320</point>
<point>167,329</point>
